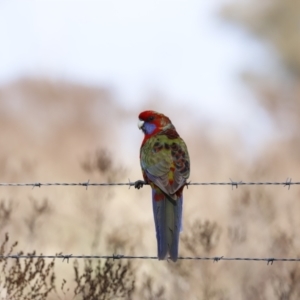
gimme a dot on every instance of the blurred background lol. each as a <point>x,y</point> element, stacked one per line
<point>74,75</point>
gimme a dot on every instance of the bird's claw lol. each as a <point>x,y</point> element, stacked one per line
<point>139,184</point>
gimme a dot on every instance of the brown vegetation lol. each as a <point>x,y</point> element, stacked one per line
<point>61,132</point>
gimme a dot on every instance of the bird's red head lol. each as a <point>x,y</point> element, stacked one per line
<point>152,122</point>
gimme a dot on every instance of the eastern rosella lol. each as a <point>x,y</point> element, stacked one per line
<point>166,167</point>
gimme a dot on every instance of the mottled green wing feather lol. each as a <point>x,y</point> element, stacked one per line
<point>165,162</point>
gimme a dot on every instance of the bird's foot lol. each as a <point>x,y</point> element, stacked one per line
<point>139,184</point>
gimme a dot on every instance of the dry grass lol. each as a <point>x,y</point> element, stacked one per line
<point>32,278</point>
<point>62,132</point>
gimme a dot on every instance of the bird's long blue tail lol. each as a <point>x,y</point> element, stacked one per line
<point>168,224</point>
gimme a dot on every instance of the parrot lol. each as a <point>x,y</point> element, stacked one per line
<point>165,165</point>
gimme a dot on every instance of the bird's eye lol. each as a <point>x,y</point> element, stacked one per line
<point>150,119</point>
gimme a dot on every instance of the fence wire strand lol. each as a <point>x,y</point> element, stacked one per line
<point>269,260</point>
<point>288,183</point>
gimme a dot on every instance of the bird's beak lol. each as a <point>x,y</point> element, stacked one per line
<point>140,124</point>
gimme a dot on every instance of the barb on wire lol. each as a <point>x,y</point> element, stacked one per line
<point>288,182</point>
<point>216,259</point>
<point>140,183</point>
<point>235,183</point>
<point>37,184</point>
<point>67,257</point>
<point>269,260</point>
<point>87,184</point>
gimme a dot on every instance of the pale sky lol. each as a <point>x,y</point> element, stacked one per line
<point>180,49</point>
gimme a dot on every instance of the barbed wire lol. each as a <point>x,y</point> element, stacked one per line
<point>86,184</point>
<point>269,260</point>
<point>288,183</point>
